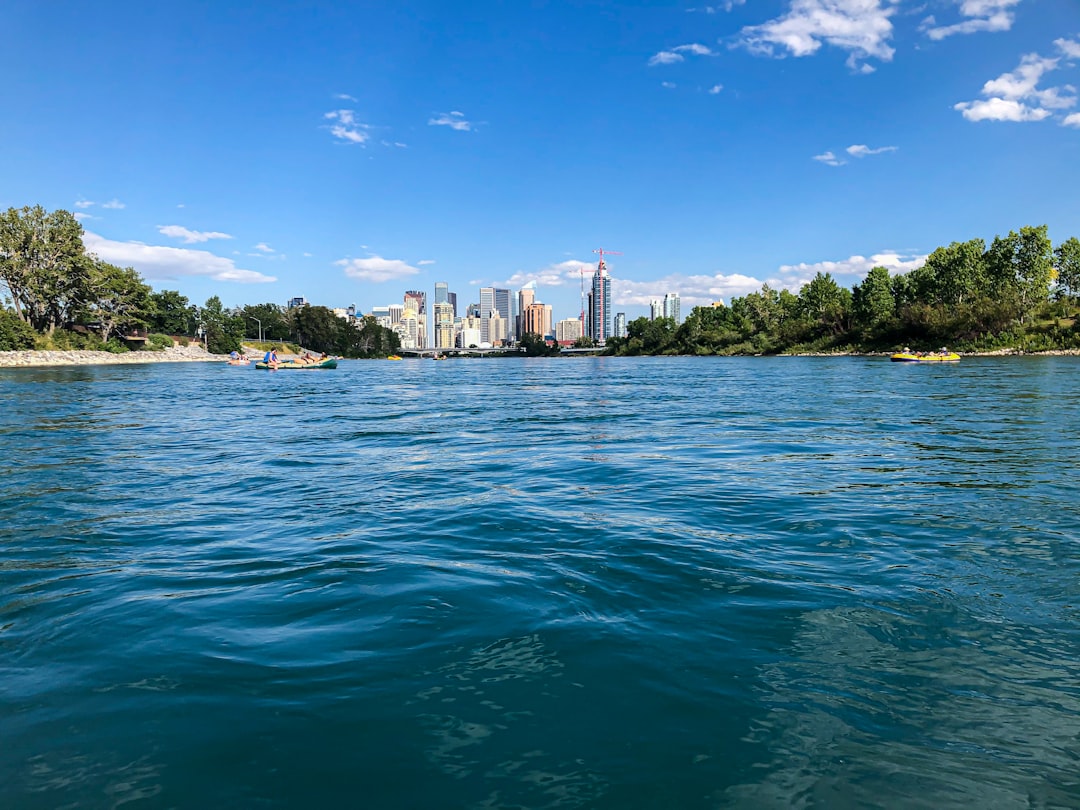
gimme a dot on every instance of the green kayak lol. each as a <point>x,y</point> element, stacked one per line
<point>283,366</point>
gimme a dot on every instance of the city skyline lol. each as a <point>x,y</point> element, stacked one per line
<point>717,147</point>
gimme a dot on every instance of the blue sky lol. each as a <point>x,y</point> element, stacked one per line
<point>348,151</point>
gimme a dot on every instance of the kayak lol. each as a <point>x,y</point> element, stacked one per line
<point>282,366</point>
<point>915,357</point>
<point>394,357</point>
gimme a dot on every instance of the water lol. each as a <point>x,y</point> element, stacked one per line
<point>597,582</point>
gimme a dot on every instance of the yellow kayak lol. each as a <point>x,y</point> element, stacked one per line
<point>925,357</point>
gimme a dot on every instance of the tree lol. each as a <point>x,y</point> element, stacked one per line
<point>272,318</point>
<point>1021,265</point>
<point>872,302</point>
<point>317,328</point>
<point>14,333</point>
<point>585,342</point>
<point>535,346</point>
<point>172,313</point>
<point>43,265</point>
<point>118,300</point>
<point>1067,257</point>
<point>956,274</point>
<point>224,331</point>
<point>825,303</point>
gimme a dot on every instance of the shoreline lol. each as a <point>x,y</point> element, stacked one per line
<point>32,358</point>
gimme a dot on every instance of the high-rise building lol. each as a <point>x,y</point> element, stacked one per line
<point>452,299</point>
<point>620,324</point>
<point>299,301</point>
<point>601,303</point>
<point>671,306</point>
<point>655,309</point>
<point>472,311</point>
<point>395,311</point>
<point>442,292</point>
<point>504,302</point>
<point>417,301</point>
<point>487,304</point>
<point>568,329</point>
<point>497,326</point>
<point>536,319</point>
<point>526,296</point>
<point>444,324</point>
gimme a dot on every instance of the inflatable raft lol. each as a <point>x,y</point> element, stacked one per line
<point>928,357</point>
<point>284,366</point>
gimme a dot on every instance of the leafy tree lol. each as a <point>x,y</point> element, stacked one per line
<point>585,342</point>
<point>224,330</point>
<point>317,328</point>
<point>14,334</point>
<point>43,265</point>
<point>118,300</point>
<point>872,302</point>
<point>825,303</point>
<point>1067,257</point>
<point>1021,265</point>
<point>273,318</point>
<point>172,313</point>
<point>535,346</point>
<point>956,274</point>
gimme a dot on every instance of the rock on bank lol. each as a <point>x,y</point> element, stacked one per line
<point>177,354</point>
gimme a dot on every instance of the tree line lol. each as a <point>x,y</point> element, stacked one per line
<point>1020,292</point>
<point>58,295</point>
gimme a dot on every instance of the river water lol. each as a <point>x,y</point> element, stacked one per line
<point>590,582</point>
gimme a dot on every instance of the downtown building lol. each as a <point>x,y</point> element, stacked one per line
<point>672,307</point>
<point>599,322</point>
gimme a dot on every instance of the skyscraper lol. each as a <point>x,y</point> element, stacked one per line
<point>442,292</point>
<point>417,300</point>
<point>655,309</point>
<point>601,304</point>
<point>620,324</point>
<point>444,324</point>
<point>672,306</point>
<point>452,298</point>
<point>504,302</point>
<point>487,304</point>
<point>526,295</point>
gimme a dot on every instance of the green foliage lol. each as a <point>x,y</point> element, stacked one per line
<point>172,314</point>
<point>1067,259</point>
<point>116,346</point>
<point>156,342</point>
<point>43,265</point>
<point>14,334</point>
<point>117,300</point>
<point>535,346</point>
<point>273,319</point>
<point>224,331</point>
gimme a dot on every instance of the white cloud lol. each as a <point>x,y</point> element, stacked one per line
<point>162,262</point>
<point>793,276</point>
<point>347,128</point>
<point>1068,47</point>
<point>554,275</point>
<point>669,85</point>
<point>693,291</point>
<point>676,54</point>
<point>84,203</point>
<point>1015,96</point>
<point>861,27</point>
<point>345,97</point>
<point>665,58</point>
<point>1072,120</point>
<point>829,159</point>
<point>727,5</point>
<point>189,237</point>
<point>983,15</point>
<point>454,119</point>
<point>113,203</point>
<point>862,150</point>
<point>425,262</point>
<point>376,269</point>
<point>81,215</point>
<point>262,247</point>
<point>716,88</point>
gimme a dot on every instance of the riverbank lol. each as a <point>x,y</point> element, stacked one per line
<point>193,353</point>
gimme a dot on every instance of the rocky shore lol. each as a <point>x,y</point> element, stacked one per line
<point>193,353</point>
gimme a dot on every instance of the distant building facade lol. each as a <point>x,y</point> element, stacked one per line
<point>568,330</point>
<point>672,307</point>
<point>620,324</point>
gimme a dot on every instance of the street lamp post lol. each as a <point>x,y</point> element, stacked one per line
<point>252,317</point>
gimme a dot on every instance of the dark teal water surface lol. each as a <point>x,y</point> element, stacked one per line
<point>590,582</point>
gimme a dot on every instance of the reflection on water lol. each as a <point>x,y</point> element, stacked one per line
<point>602,583</point>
